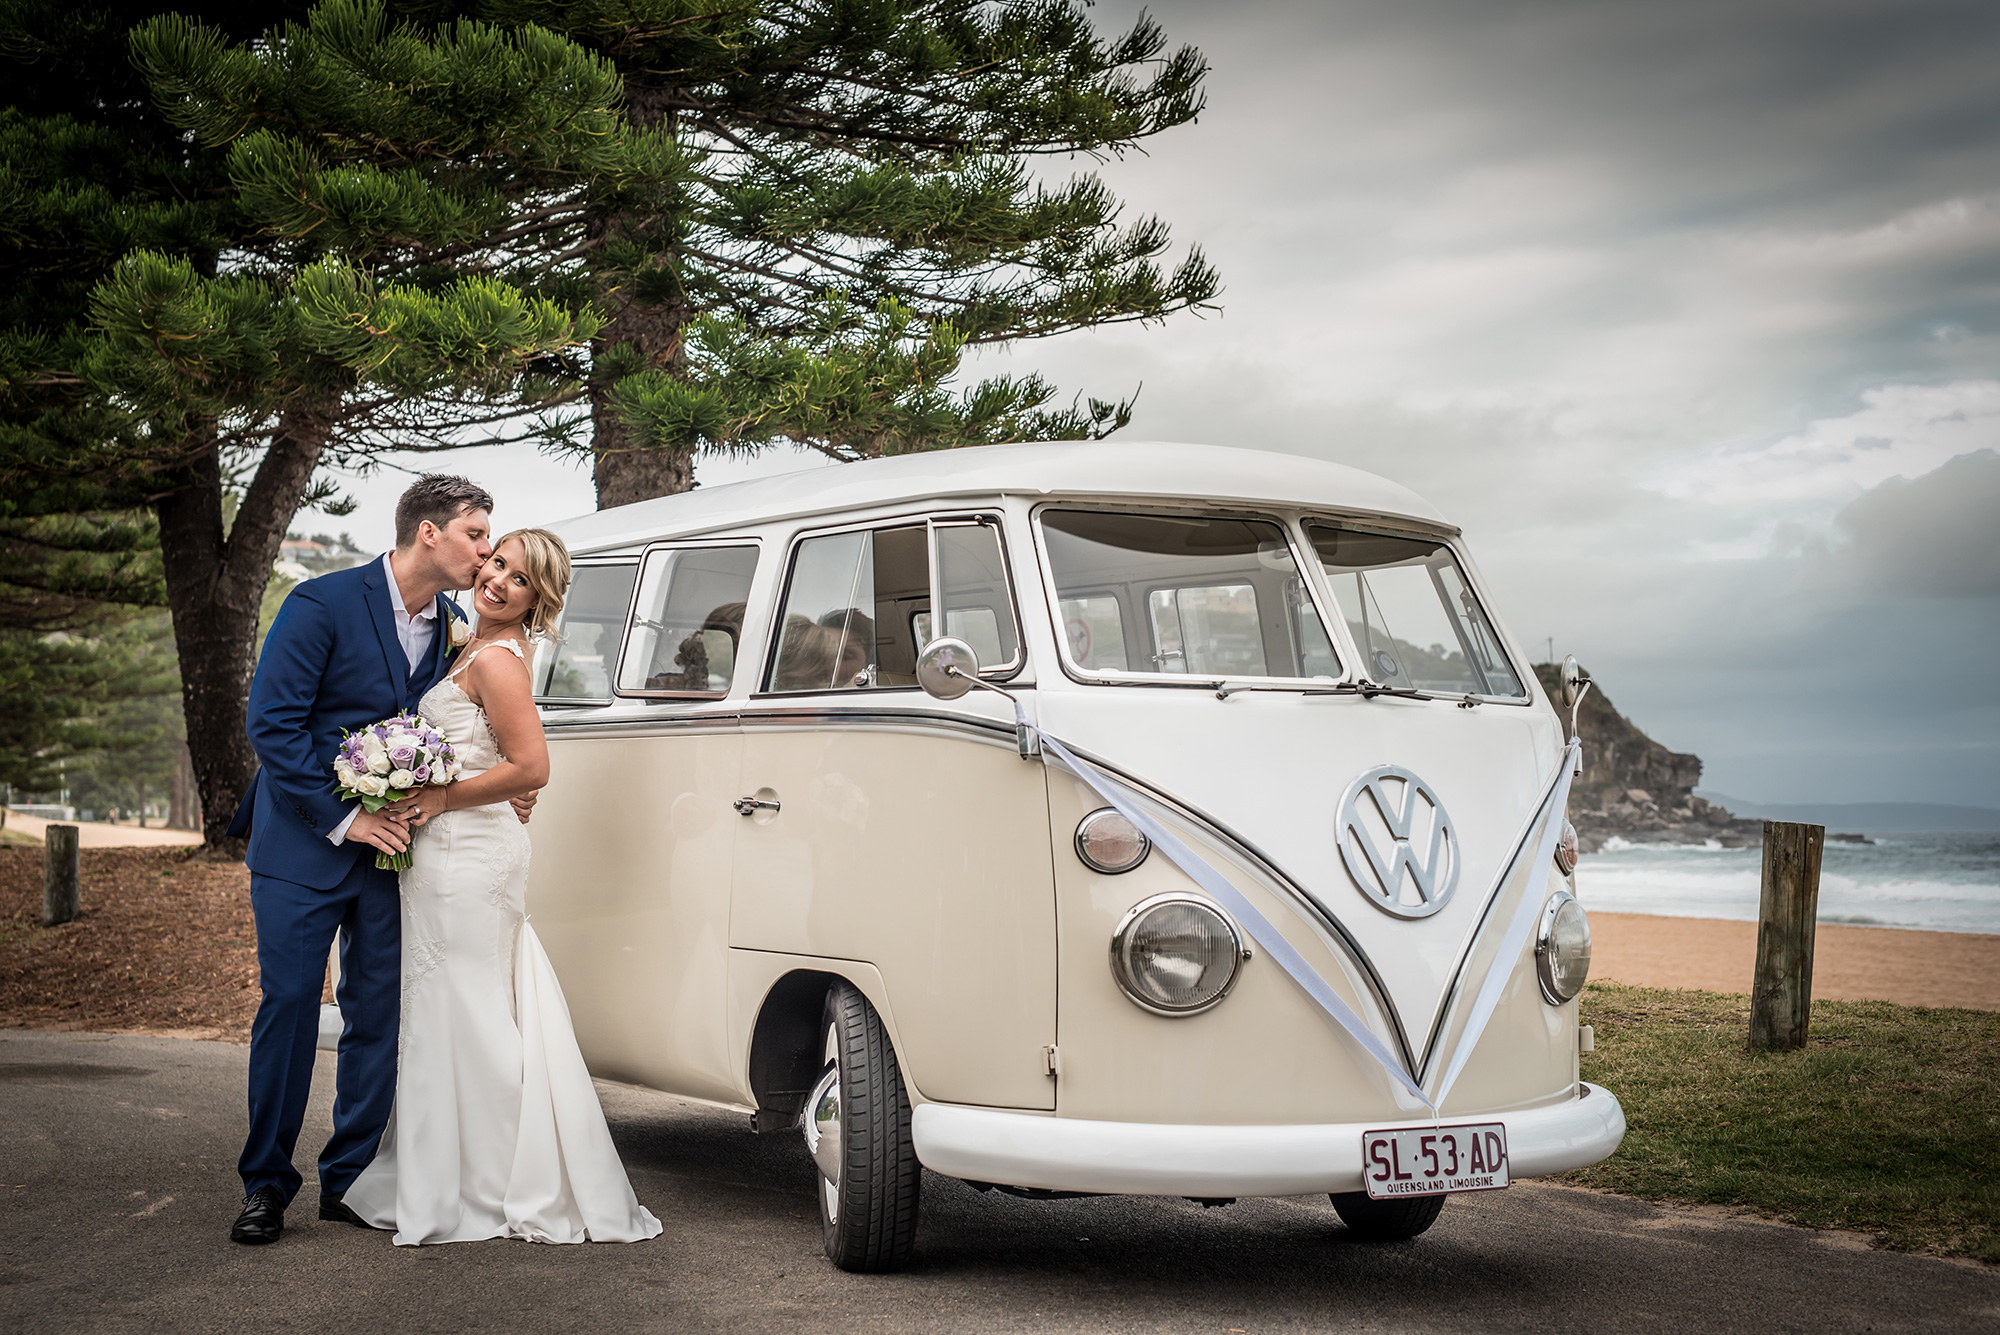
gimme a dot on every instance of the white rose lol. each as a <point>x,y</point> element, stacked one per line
<point>372,785</point>
<point>402,778</point>
<point>376,754</point>
<point>460,633</point>
<point>344,772</point>
<point>456,769</point>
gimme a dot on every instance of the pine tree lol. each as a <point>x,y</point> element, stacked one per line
<point>177,334</point>
<point>227,263</point>
<point>860,208</point>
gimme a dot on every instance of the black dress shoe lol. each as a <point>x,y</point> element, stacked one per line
<point>332,1207</point>
<point>263,1217</point>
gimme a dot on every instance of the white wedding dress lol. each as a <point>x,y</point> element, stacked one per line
<point>497,1132</point>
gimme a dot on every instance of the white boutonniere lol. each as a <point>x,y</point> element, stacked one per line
<point>460,633</point>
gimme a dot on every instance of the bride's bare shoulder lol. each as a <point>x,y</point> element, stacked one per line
<point>499,666</point>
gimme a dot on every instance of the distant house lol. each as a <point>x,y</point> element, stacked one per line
<point>301,558</point>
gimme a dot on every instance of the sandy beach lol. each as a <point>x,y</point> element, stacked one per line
<point>1849,963</point>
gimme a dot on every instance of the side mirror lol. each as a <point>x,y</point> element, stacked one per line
<point>1575,685</point>
<point>947,668</point>
<point>1573,682</point>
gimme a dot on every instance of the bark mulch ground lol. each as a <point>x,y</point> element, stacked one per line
<point>165,945</point>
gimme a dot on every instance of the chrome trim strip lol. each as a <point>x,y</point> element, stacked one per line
<point>642,727</point>
<point>991,731</point>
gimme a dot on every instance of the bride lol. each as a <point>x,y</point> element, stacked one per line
<point>497,1132</point>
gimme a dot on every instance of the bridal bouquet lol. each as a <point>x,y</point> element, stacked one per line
<point>387,760</point>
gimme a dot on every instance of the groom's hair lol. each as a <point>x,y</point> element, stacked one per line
<point>440,498</point>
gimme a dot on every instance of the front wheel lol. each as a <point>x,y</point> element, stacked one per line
<point>857,1128</point>
<point>1386,1221</point>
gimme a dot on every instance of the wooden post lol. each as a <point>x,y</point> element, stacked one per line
<point>62,885</point>
<point>1781,996</point>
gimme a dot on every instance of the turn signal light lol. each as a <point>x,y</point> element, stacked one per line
<point>1566,849</point>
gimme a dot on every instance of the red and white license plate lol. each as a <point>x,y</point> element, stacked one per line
<point>1427,1160</point>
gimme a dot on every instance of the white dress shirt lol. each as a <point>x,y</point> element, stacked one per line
<point>414,631</point>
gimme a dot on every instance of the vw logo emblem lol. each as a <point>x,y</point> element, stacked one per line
<point>1398,843</point>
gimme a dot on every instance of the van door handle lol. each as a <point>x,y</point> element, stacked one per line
<point>746,806</point>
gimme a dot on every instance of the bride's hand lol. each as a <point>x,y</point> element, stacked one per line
<point>419,806</point>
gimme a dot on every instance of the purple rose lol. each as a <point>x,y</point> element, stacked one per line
<point>403,757</point>
<point>422,773</point>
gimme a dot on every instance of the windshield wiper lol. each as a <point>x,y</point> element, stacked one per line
<point>1364,688</point>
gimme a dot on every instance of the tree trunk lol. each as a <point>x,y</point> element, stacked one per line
<point>625,469</point>
<point>182,809</point>
<point>215,587</point>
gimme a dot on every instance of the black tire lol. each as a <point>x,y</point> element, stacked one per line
<point>868,1217</point>
<point>1386,1221</point>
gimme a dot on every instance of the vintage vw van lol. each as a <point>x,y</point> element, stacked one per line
<point>1073,818</point>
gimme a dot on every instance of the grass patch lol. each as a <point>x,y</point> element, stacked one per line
<point>11,837</point>
<point>1888,1122</point>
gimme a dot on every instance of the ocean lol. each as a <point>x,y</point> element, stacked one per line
<point>1933,882</point>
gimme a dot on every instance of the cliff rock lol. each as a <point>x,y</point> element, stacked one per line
<point>1634,788</point>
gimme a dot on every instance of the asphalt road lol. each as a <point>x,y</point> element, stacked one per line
<point>117,1189</point>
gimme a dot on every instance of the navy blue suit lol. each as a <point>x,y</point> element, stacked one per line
<point>331,662</point>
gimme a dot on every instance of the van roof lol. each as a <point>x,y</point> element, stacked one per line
<point>1136,469</point>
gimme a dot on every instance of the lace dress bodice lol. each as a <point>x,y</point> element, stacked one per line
<point>463,723</point>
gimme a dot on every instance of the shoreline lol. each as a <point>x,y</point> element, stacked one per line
<point>1905,965</point>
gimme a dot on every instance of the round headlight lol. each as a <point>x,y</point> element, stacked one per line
<point>1566,849</point>
<point>1562,947</point>
<point>1107,842</point>
<point>1176,954</point>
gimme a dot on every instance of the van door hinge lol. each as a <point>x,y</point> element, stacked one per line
<point>1051,1061</point>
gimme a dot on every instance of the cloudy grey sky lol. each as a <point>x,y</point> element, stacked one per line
<point>1687,312</point>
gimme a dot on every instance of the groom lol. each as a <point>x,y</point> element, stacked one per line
<point>347,649</point>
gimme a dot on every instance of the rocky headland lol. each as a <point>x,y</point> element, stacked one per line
<point>1634,788</point>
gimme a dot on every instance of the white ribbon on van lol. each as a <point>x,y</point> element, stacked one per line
<point>1281,951</point>
<point>1550,813</point>
<point>1218,887</point>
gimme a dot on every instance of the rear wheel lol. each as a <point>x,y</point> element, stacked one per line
<point>1386,1221</point>
<point>857,1128</point>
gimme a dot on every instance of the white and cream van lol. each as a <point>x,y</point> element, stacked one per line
<point>1081,818</point>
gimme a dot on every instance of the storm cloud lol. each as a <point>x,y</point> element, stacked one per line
<point>1936,536</point>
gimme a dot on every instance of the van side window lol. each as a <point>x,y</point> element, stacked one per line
<point>687,622</point>
<point>858,608</point>
<point>1183,595</point>
<point>972,581</point>
<point>577,668</point>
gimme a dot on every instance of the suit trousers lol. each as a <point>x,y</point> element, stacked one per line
<point>295,931</point>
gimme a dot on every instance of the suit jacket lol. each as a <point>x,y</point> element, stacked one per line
<point>331,663</point>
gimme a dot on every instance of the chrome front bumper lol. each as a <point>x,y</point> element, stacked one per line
<point>1149,1159</point>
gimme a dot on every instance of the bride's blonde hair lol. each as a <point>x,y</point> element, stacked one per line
<point>546,564</point>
